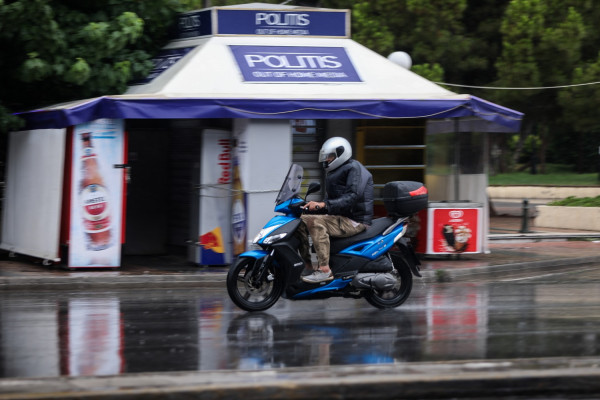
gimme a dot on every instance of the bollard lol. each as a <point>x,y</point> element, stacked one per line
<point>525,220</point>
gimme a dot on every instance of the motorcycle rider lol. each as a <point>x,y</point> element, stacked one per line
<point>348,206</point>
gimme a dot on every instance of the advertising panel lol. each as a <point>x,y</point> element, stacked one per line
<point>192,24</point>
<point>284,64</point>
<point>96,202</point>
<point>215,198</point>
<point>165,59</point>
<point>262,22</point>
<point>331,23</point>
<point>454,230</point>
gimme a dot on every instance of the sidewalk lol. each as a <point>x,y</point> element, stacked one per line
<point>510,252</point>
<point>515,252</point>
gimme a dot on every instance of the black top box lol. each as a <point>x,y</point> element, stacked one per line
<point>404,198</point>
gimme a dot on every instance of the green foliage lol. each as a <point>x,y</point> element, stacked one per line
<point>9,122</point>
<point>79,72</point>
<point>530,145</point>
<point>368,30</point>
<point>556,174</point>
<point>60,50</point>
<point>35,69</point>
<point>545,44</point>
<point>433,33</point>
<point>433,72</point>
<point>580,104</point>
<point>572,201</point>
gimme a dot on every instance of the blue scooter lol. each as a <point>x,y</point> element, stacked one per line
<point>377,264</point>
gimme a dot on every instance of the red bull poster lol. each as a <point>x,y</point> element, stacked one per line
<point>96,202</point>
<point>214,238</point>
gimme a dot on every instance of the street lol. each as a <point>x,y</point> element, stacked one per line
<point>71,333</point>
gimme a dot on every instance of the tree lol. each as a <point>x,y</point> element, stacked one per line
<point>60,50</point>
<point>543,46</point>
<point>580,105</point>
<point>455,41</point>
<point>368,30</point>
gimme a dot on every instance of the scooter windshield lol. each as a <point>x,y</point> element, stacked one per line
<point>291,184</point>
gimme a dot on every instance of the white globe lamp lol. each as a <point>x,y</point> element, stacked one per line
<point>401,58</point>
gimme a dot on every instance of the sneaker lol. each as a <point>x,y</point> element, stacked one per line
<point>308,269</point>
<point>317,277</point>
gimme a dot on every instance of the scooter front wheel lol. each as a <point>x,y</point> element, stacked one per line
<point>249,292</point>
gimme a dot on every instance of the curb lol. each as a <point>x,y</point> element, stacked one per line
<point>440,380</point>
<point>538,237</point>
<point>217,279</point>
<point>506,270</point>
<point>146,281</point>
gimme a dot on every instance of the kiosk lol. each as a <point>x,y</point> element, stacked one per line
<point>227,101</point>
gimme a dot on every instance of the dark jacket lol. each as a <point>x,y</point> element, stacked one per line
<point>349,192</point>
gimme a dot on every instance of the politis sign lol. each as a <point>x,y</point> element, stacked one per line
<point>285,64</point>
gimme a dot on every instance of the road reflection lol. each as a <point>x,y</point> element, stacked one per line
<point>78,334</point>
<point>457,321</point>
<point>264,341</point>
<point>91,334</point>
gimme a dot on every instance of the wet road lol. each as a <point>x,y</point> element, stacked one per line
<point>101,333</point>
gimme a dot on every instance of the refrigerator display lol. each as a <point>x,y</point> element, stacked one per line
<point>451,228</point>
<point>96,200</point>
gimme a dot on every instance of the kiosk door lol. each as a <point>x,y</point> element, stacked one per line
<point>94,217</point>
<point>31,223</point>
<point>147,193</point>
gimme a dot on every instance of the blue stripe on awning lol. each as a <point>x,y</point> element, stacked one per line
<point>186,108</point>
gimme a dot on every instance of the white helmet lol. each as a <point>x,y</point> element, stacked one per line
<point>341,150</point>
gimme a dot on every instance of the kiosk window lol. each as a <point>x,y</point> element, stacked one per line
<point>307,136</point>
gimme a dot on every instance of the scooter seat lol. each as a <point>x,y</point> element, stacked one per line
<point>376,228</point>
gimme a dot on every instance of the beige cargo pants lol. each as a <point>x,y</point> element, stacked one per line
<point>320,228</point>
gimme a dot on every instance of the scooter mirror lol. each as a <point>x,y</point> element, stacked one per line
<point>313,187</point>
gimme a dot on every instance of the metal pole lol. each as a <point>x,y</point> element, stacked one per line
<point>456,159</point>
<point>525,218</point>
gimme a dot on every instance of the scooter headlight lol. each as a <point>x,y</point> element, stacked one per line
<point>275,238</point>
<point>265,232</point>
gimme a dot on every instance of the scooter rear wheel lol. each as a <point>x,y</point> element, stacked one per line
<point>399,293</point>
<point>249,294</point>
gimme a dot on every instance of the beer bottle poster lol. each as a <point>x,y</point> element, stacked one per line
<point>96,194</point>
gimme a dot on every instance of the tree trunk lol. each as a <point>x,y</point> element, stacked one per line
<point>543,132</point>
<point>519,149</point>
<point>580,153</point>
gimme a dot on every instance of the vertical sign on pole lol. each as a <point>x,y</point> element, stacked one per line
<point>96,194</point>
<point>215,198</point>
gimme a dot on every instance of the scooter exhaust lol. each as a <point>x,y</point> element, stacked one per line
<point>379,281</point>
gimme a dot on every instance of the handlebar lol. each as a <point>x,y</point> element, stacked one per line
<point>318,210</point>
<point>299,207</point>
